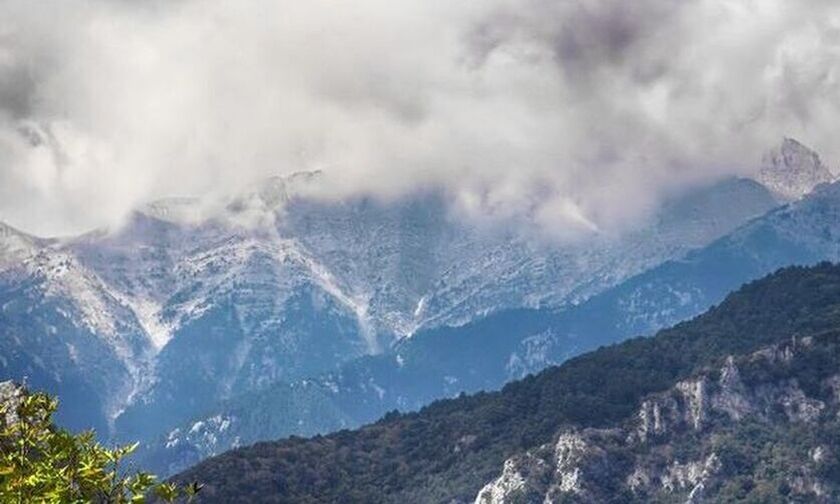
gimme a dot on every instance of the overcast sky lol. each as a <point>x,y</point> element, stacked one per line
<point>579,113</point>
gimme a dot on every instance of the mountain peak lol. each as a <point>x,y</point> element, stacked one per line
<point>276,191</point>
<point>793,170</point>
<point>262,197</point>
<point>174,209</point>
<point>14,244</point>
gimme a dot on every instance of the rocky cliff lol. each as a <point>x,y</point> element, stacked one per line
<point>760,425</point>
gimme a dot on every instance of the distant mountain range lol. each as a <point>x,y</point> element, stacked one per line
<point>284,314</point>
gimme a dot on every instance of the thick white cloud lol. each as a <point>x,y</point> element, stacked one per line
<point>579,114</point>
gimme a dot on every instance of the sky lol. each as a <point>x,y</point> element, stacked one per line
<point>577,114</point>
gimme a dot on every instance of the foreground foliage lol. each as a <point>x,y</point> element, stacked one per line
<point>41,463</point>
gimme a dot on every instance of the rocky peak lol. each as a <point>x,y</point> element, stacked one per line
<point>272,193</point>
<point>178,210</point>
<point>690,475</point>
<point>510,483</point>
<point>15,245</point>
<point>732,396</point>
<point>793,170</point>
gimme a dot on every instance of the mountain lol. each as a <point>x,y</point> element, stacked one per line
<point>793,170</point>
<point>64,330</point>
<point>183,308</point>
<point>413,265</point>
<point>242,311</point>
<point>486,353</point>
<point>761,428</point>
<point>455,450</point>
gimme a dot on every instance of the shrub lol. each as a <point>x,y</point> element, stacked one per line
<point>40,462</point>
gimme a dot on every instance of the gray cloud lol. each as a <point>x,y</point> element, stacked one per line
<point>577,114</point>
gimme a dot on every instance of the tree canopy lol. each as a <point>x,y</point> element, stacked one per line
<point>42,463</point>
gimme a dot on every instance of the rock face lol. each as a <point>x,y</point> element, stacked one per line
<point>551,471</point>
<point>793,170</point>
<point>690,443</point>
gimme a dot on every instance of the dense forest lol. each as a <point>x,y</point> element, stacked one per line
<point>450,449</point>
<point>762,428</point>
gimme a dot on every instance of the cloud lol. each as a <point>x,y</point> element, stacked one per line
<point>576,114</point>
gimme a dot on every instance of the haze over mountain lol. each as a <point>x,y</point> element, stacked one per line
<point>310,287</point>
<point>486,353</point>
<point>179,314</point>
<point>580,114</point>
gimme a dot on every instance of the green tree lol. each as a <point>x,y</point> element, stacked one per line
<point>41,463</point>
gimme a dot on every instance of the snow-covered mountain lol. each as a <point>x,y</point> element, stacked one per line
<point>325,283</point>
<point>486,353</point>
<point>793,170</point>
<point>181,308</point>
<point>227,310</point>
<point>66,330</point>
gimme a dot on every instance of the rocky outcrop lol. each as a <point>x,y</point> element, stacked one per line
<point>692,403</point>
<point>692,417</point>
<point>570,466</point>
<point>509,485</point>
<point>793,170</point>
<point>689,475</point>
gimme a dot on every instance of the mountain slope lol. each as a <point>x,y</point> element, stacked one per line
<point>761,428</point>
<point>317,284</point>
<point>192,311</point>
<point>450,450</point>
<point>64,330</point>
<point>803,232</point>
<point>486,353</point>
<point>249,314</point>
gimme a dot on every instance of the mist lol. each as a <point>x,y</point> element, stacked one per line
<point>577,115</point>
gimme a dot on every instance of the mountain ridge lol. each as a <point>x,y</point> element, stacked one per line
<point>171,276</point>
<point>284,277</point>
<point>443,362</point>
